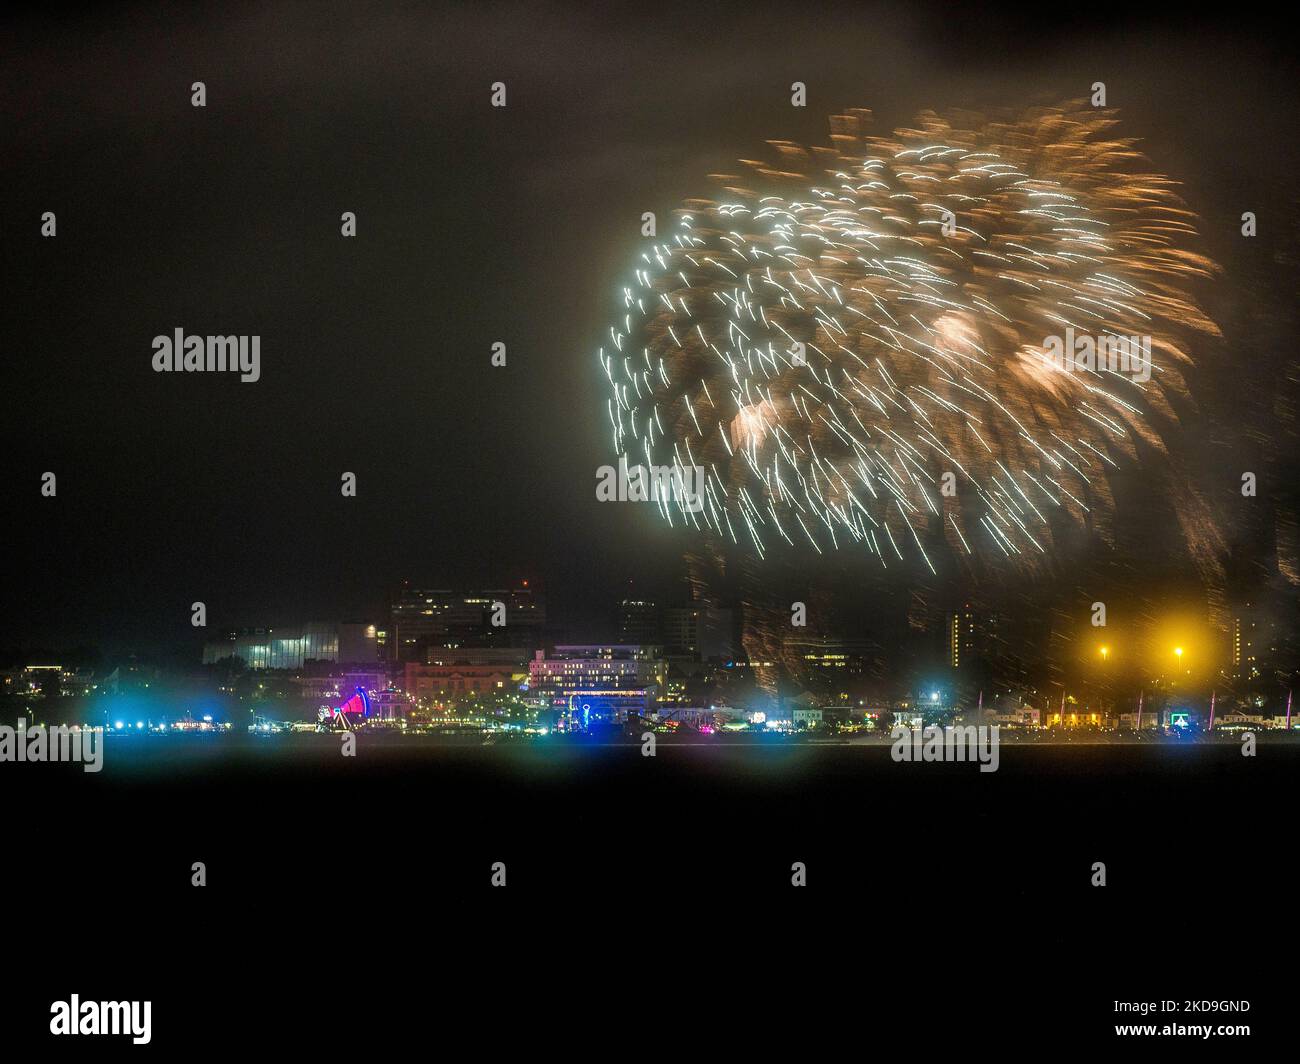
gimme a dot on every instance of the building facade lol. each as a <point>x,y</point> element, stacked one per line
<point>422,620</point>
<point>291,647</point>
<point>589,682</point>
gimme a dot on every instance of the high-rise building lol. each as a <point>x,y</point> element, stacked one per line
<point>424,619</point>
<point>701,632</point>
<point>1244,630</point>
<point>638,623</point>
<point>682,631</point>
<point>720,634</point>
<point>1254,642</point>
<point>972,635</point>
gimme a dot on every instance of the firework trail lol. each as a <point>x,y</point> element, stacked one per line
<point>826,342</point>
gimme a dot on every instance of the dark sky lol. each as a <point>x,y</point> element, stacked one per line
<point>475,225</point>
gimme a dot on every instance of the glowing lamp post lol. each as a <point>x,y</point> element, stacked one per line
<point>1178,661</point>
<point>1104,651</point>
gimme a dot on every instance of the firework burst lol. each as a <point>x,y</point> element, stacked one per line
<point>842,330</point>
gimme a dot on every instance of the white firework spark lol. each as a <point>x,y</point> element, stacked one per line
<point>828,349</point>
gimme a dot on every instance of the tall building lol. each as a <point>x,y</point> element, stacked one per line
<point>1245,648</point>
<point>1255,641</point>
<point>682,631</point>
<point>701,632</point>
<point>972,636</point>
<point>422,620</point>
<point>638,623</point>
<point>720,634</point>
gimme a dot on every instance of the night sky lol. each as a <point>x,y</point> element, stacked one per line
<point>478,225</point>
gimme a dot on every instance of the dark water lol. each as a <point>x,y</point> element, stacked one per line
<point>273,817</point>
<point>348,901</point>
